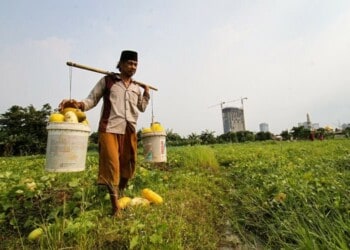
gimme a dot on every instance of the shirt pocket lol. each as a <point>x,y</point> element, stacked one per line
<point>133,97</point>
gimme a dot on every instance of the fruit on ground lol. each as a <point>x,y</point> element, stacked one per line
<point>35,234</point>
<point>151,196</point>
<point>139,201</point>
<point>56,117</point>
<point>124,202</point>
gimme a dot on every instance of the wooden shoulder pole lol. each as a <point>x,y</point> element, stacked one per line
<point>80,66</point>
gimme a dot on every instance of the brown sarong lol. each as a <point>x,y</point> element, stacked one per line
<point>117,156</point>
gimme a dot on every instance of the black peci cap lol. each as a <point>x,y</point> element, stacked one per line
<point>128,55</point>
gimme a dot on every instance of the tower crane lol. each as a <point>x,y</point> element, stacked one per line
<point>225,102</point>
<point>230,121</point>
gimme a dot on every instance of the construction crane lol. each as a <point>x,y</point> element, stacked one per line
<point>225,102</point>
<point>228,120</point>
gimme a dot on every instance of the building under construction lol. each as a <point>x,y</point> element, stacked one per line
<point>233,119</point>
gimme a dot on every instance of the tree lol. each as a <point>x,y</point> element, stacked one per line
<point>263,136</point>
<point>23,130</point>
<point>320,133</point>
<point>300,132</point>
<point>244,136</point>
<point>347,132</point>
<point>228,137</point>
<point>286,135</point>
<point>94,137</point>
<point>173,138</point>
<point>193,139</point>
<point>207,137</point>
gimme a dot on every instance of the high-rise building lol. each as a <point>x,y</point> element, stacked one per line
<point>233,119</point>
<point>264,127</point>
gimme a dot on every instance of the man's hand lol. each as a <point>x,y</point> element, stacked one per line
<point>65,103</point>
<point>146,90</point>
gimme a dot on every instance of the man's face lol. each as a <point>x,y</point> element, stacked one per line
<point>128,67</point>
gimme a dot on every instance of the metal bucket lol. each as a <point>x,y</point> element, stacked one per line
<point>66,147</point>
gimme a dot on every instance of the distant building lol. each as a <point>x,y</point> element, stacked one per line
<point>308,123</point>
<point>233,119</point>
<point>264,127</point>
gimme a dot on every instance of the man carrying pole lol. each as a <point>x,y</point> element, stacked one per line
<point>122,101</point>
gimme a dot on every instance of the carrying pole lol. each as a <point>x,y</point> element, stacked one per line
<point>80,66</point>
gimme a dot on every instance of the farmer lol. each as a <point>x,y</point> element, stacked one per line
<point>122,99</point>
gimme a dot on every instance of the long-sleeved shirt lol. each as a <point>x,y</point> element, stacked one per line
<point>120,104</point>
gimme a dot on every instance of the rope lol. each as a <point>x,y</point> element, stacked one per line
<point>152,106</point>
<point>70,82</point>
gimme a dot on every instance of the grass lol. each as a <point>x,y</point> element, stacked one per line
<point>269,195</point>
<point>74,212</point>
<point>292,195</point>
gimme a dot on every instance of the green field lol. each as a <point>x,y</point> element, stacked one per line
<point>268,195</point>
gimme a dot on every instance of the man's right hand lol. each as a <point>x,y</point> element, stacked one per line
<point>70,103</point>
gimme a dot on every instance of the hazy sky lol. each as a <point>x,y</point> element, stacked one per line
<point>289,57</point>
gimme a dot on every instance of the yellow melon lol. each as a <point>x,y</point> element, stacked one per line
<point>85,122</point>
<point>65,110</point>
<point>156,127</point>
<point>35,234</point>
<point>56,117</point>
<point>139,201</point>
<point>146,130</point>
<point>151,196</point>
<point>124,202</point>
<point>70,116</point>
<point>80,114</point>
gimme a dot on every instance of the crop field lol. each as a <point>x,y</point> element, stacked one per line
<point>261,195</point>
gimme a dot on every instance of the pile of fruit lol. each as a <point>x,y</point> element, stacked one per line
<point>71,115</point>
<point>155,127</point>
<point>148,196</point>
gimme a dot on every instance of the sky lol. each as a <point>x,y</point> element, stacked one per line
<point>287,58</point>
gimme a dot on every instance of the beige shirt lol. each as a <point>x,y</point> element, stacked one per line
<point>121,105</point>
